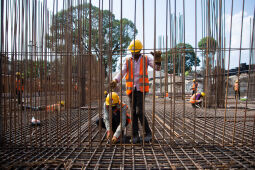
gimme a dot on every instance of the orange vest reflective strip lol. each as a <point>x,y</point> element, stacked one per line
<point>143,78</point>
<point>193,99</point>
<point>19,86</point>
<point>194,86</point>
<point>52,107</point>
<point>236,86</point>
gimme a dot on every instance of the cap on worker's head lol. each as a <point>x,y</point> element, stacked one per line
<point>115,99</point>
<point>203,94</point>
<point>236,81</point>
<point>105,92</point>
<point>194,80</point>
<point>135,46</point>
<point>62,103</point>
<point>17,73</point>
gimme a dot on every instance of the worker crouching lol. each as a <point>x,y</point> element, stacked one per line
<point>116,125</point>
<point>195,99</point>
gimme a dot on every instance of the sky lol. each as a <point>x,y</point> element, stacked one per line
<point>190,27</point>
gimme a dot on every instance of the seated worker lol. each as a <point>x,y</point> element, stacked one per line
<point>195,99</point>
<point>116,125</point>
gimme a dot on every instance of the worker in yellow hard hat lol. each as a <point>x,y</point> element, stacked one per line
<point>195,99</point>
<point>194,86</point>
<point>116,104</point>
<point>237,89</point>
<point>137,82</point>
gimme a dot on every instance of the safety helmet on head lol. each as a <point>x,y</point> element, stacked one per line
<point>203,94</point>
<point>135,46</point>
<point>17,73</point>
<point>115,99</point>
<point>62,103</point>
<point>236,81</point>
<point>194,80</point>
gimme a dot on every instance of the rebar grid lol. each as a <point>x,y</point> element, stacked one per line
<point>59,59</point>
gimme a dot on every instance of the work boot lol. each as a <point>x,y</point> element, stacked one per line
<point>147,138</point>
<point>136,139</point>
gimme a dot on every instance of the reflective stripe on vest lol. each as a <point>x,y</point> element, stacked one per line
<point>143,78</point>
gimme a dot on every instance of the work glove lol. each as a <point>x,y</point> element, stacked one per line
<point>113,84</point>
<point>108,134</point>
<point>157,57</point>
<point>114,139</point>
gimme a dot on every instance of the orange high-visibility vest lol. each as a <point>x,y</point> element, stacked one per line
<point>194,86</point>
<point>19,85</point>
<point>193,98</point>
<point>129,77</point>
<point>236,87</point>
<point>53,107</point>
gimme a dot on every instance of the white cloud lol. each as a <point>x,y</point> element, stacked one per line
<point>236,35</point>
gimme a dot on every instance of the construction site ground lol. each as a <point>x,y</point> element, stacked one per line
<point>185,138</point>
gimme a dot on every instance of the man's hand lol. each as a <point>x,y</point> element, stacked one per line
<point>157,57</point>
<point>113,84</point>
<point>114,139</point>
<point>108,134</point>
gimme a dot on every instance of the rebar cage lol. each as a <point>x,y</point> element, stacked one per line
<point>56,65</point>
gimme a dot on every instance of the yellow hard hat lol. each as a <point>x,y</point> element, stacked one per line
<point>194,80</point>
<point>203,94</point>
<point>135,46</point>
<point>17,73</point>
<point>236,81</point>
<point>105,92</point>
<point>62,103</point>
<point>115,99</point>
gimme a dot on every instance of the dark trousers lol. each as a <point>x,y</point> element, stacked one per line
<point>19,96</point>
<point>137,111</point>
<point>237,93</point>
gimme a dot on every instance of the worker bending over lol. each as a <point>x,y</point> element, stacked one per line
<point>195,100</point>
<point>116,125</point>
<point>136,70</point>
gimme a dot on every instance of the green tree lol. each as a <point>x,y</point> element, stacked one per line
<point>80,32</point>
<point>179,52</point>
<point>211,47</point>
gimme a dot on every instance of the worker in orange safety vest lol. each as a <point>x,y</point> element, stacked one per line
<point>195,99</point>
<point>194,86</point>
<point>137,82</point>
<point>116,130</point>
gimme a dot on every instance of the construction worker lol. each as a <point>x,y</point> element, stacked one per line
<point>139,64</point>
<point>19,87</point>
<point>116,125</point>
<point>195,99</point>
<point>194,86</point>
<point>237,89</point>
<point>49,108</point>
